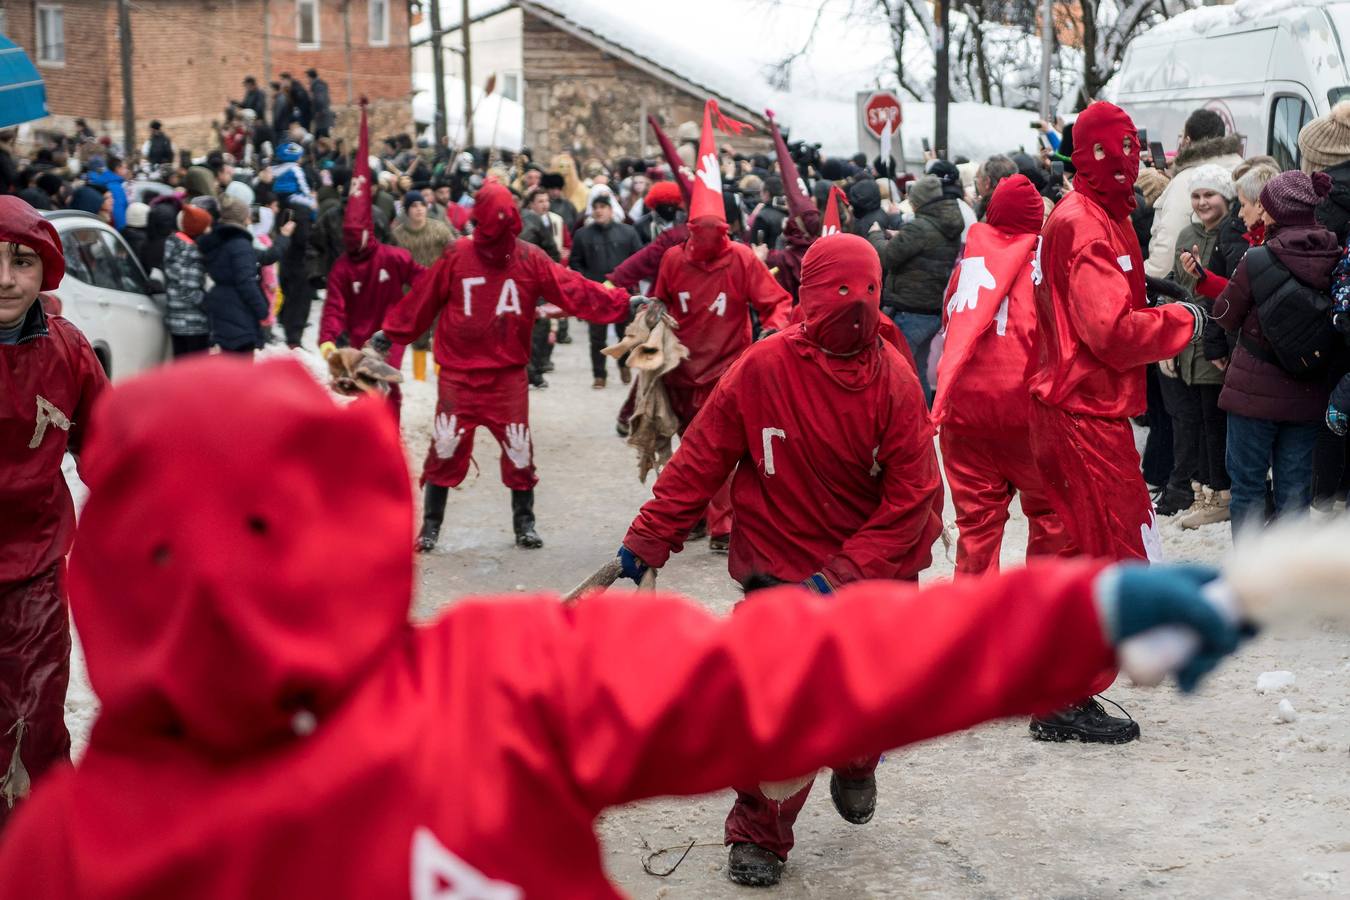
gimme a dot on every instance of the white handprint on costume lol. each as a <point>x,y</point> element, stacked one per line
<point>446,436</point>
<point>975,275</point>
<point>1152,539</point>
<point>1037,274</point>
<point>709,173</point>
<point>517,445</point>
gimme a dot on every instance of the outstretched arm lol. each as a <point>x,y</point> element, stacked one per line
<point>412,316</point>
<point>579,296</point>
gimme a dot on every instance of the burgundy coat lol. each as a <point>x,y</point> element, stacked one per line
<point>1253,387</point>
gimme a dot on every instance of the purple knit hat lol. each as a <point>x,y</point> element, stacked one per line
<point>1292,197</point>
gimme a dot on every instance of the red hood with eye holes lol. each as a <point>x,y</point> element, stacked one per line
<point>233,566</point>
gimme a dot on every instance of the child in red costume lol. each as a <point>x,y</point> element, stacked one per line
<point>272,726</point>
<point>1095,333</point>
<point>836,481</point>
<point>485,289</point>
<point>983,408</point>
<point>49,380</point>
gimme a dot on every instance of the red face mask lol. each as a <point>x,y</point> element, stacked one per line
<point>1110,179</point>
<point>707,239</point>
<point>1015,207</point>
<point>841,294</point>
<point>496,224</point>
<point>357,242</point>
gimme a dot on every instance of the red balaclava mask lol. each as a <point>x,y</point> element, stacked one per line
<point>1109,180</point>
<point>841,294</point>
<point>496,224</point>
<point>707,239</point>
<point>21,224</point>
<point>1016,207</point>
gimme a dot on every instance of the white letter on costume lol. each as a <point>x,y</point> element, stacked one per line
<point>509,301</point>
<point>684,301</point>
<point>438,874</point>
<point>769,435</point>
<point>719,305</point>
<point>469,285</point>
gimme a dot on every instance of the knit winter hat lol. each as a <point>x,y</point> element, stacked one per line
<point>413,197</point>
<point>1213,177</point>
<point>1151,184</point>
<point>664,193</point>
<point>924,191</point>
<point>234,212</point>
<point>193,221</point>
<point>138,214</point>
<point>1325,141</point>
<point>1292,197</point>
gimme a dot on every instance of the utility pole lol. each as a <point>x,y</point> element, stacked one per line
<point>468,74</point>
<point>267,42</point>
<point>1047,52</point>
<point>347,46</point>
<point>942,94</point>
<point>438,70</point>
<point>128,89</point>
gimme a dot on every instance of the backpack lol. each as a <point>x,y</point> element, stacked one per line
<point>1295,319</point>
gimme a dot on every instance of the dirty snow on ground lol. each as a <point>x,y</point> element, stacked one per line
<point>1227,794</point>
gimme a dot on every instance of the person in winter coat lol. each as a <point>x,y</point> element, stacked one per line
<point>542,227</point>
<point>111,177</point>
<point>160,226</point>
<point>185,285</point>
<point>1274,418</point>
<point>1095,334</point>
<point>485,291</point>
<point>982,407</point>
<point>135,232</point>
<point>1203,141</point>
<point>293,276</point>
<point>918,261</point>
<point>864,199</point>
<point>52,379</point>
<point>825,428</point>
<point>597,249</point>
<point>235,304</point>
<point>305,742</point>
<point>555,183</point>
<point>663,209</point>
<point>766,221</point>
<point>322,103</point>
<point>158,149</point>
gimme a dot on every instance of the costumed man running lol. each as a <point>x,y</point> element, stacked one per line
<point>836,481</point>
<point>1095,334</point>
<point>485,289</point>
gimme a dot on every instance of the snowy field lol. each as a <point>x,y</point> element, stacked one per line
<point>1218,799</point>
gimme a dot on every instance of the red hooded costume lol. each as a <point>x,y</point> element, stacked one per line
<point>273,727</point>
<point>486,290</point>
<point>802,225</point>
<point>1095,334</point>
<point>983,407</point>
<point>49,381</point>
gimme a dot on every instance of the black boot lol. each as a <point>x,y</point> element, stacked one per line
<point>854,799</point>
<point>433,514</point>
<point>753,866</point>
<point>1086,722</point>
<point>1174,500</point>
<point>522,514</point>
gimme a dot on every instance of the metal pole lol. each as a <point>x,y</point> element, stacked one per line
<point>128,89</point>
<point>1047,53</point>
<point>267,42</point>
<point>468,74</point>
<point>438,72</point>
<point>943,90</point>
<point>347,47</point>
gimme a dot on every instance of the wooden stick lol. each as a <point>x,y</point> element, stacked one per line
<point>605,576</point>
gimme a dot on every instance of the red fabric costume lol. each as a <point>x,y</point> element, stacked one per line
<point>802,225</point>
<point>982,406</point>
<point>1095,334</point>
<point>273,727</point>
<point>486,289</point>
<point>49,381</point>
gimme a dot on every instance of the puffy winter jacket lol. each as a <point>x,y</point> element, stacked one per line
<point>919,260</point>
<point>235,304</point>
<point>184,277</point>
<point>598,250</point>
<point>1334,211</point>
<point>114,184</point>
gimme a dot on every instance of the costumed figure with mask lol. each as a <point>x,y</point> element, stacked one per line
<point>802,225</point>
<point>1095,333</point>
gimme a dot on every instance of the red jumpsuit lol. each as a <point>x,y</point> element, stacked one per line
<point>826,428</point>
<point>49,382</point>
<point>710,297</point>
<point>249,747</point>
<point>982,407</point>
<point>486,289</point>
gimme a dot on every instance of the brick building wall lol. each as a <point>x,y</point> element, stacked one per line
<point>581,99</point>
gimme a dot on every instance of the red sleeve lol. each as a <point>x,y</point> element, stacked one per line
<point>1211,286</point>
<point>409,318</point>
<point>766,295</point>
<point>707,454</point>
<point>93,382</point>
<point>660,697</point>
<point>1119,335</point>
<point>643,265</point>
<point>334,320</point>
<point>577,295</point>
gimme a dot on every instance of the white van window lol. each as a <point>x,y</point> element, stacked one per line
<point>1288,115</point>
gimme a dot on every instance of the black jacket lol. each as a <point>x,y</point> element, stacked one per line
<point>235,304</point>
<point>769,222</point>
<point>538,231</point>
<point>1334,211</point>
<point>918,261</point>
<point>1227,254</point>
<point>864,198</point>
<point>597,250</point>
<point>325,239</point>
<point>255,100</point>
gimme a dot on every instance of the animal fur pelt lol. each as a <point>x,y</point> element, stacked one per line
<point>653,350</point>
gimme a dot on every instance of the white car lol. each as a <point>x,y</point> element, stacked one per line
<point>108,296</point>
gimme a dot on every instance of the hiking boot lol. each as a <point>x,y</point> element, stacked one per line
<point>598,383</point>
<point>536,379</point>
<point>433,514</point>
<point>698,532</point>
<point>753,866</point>
<point>1211,511</point>
<point>854,799</point>
<point>522,516</point>
<point>720,543</point>
<point>1086,722</point>
<point>1175,500</point>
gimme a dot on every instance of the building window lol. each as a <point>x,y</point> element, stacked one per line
<point>511,87</point>
<point>379,23</point>
<point>51,36</point>
<point>307,23</point>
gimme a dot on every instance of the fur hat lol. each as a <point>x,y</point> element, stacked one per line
<point>1151,184</point>
<point>1325,141</point>
<point>1213,177</point>
<point>552,180</point>
<point>1292,198</point>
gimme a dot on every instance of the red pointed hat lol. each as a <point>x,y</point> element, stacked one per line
<point>707,200</point>
<point>686,184</point>
<point>832,224</point>
<point>358,221</point>
<point>798,200</point>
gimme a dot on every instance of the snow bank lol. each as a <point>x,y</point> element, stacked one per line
<point>1208,18</point>
<point>493,115</point>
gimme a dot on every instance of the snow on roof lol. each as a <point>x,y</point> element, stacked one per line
<point>450,15</point>
<point>493,116</point>
<point>1208,18</point>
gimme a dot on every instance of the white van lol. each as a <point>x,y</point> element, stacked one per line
<point>1268,67</point>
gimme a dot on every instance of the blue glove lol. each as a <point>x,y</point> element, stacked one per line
<point>818,584</point>
<point>1134,598</point>
<point>1337,421</point>
<point>633,567</point>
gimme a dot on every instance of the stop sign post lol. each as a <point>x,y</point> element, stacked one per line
<point>881,107</point>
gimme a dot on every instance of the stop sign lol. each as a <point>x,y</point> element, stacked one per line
<point>881,107</point>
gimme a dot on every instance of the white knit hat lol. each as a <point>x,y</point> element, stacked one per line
<point>1213,177</point>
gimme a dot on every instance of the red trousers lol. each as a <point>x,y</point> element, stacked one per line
<point>756,819</point>
<point>496,399</point>
<point>34,673</point>
<point>984,472</point>
<point>685,403</point>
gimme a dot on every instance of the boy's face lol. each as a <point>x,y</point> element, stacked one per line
<point>20,281</point>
